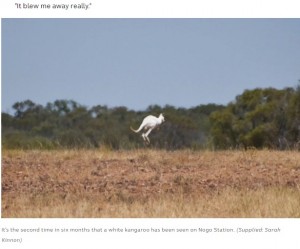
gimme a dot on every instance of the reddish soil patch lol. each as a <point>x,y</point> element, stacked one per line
<point>145,174</point>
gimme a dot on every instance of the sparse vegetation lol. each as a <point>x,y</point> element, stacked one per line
<point>150,183</point>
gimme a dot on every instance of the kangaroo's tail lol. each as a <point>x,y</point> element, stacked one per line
<point>136,131</point>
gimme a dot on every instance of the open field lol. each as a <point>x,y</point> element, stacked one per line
<point>150,183</point>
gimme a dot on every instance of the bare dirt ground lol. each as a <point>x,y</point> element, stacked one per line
<point>150,183</point>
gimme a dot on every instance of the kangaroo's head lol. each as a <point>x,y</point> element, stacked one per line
<point>161,117</point>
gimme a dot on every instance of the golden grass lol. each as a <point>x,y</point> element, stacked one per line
<point>150,183</point>
<point>279,203</point>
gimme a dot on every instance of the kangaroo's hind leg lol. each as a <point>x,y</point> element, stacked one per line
<point>144,137</point>
<point>147,134</point>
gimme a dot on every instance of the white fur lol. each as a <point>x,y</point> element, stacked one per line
<point>149,123</point>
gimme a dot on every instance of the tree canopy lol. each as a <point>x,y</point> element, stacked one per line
<point>260,118</point>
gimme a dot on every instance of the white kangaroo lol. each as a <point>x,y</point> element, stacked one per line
<point>149,123</point>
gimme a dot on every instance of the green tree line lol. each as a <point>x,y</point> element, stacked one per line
<point>257,118</point>
<point>260,118</point>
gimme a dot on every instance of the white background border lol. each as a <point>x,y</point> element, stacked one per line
<point>289,235</point>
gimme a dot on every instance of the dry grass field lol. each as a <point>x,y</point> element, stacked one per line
<point>150,183</point>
